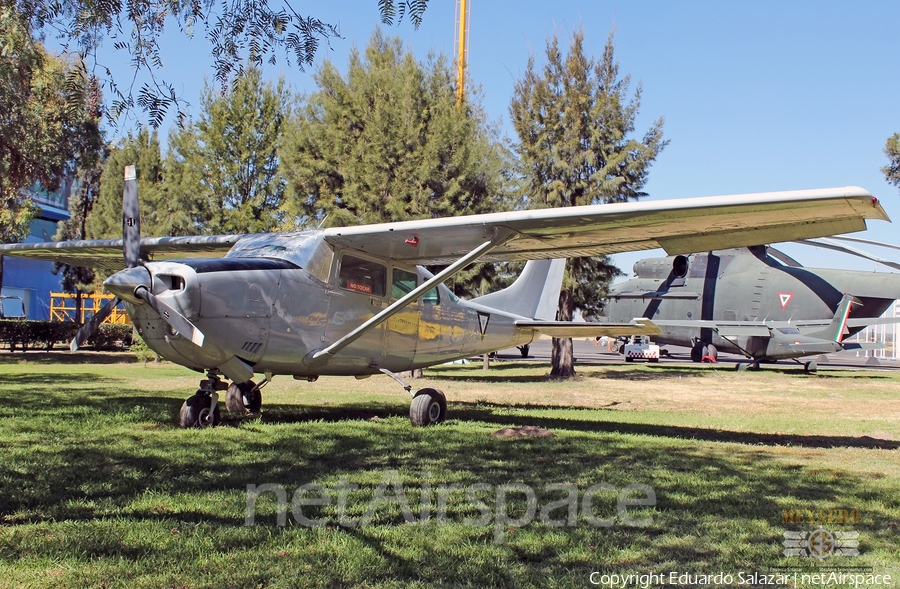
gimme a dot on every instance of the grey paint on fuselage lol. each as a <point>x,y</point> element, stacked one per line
<point>271,318</point>
<point>744,285</point>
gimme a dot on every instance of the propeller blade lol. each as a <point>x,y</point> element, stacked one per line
<point>131,220</point>
<point>178,322</point>
<point>88,329</point>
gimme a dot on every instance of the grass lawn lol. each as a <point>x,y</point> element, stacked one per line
<point>651,470</point>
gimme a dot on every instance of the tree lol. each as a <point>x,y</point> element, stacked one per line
<point>251,31</point>
<point>892,151</point>
<point>574,120</point>
<point>388,143</point>
<point>48,123</point>
<point>46,126</point>
<point>228,160</point>
<point>105,217</point>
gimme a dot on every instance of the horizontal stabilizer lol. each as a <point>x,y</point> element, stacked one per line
<point>865,321</point>
<point>591,328</point>
<point>864,345</point>
<point>808,348</point>
<point>656,295</point>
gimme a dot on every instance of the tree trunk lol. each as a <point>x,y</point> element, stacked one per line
<point>563,358</point>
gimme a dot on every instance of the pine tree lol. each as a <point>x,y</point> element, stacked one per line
<point>143,151</point>
<point>574,120</point>
<point>387,142</point>
<point>229,158</point>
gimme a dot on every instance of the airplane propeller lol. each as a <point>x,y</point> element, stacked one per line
<point>131,250</point>
<point>176,320</point>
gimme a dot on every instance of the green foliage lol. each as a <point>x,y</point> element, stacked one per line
<point>225,167</point>
<point>892,151</point>
<point>24,334</point>
<point>105,218</point>
<point>48,124</point>
<point>574,120</point>
<point>141,350</point>
<point>388,143</point>
<point>240,32</point>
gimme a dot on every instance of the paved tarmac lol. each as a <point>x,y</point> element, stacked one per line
<point>586,352</point>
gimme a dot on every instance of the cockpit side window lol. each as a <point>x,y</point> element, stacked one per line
<point>362,276</point>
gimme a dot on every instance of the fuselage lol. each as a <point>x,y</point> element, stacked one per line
<point>743,285</point>
<point>272,301</point>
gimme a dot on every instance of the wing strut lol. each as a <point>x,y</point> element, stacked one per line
<point>500,237</point>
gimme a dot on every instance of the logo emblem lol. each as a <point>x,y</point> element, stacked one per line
<point>821,543</point>
<point>785,298</point>
<point>483,320</point>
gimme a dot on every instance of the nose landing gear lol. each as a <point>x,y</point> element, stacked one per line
<point>202,409</point>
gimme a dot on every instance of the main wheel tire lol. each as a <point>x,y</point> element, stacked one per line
<point>243,398</point>
<point>524,350</point>
<point>697,353</point>
<point>429,406</point>
<point>195,412</point>
<point>713,353</point>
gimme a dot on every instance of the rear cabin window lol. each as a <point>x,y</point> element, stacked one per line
<point>404,282</point>
<point>362,276</point>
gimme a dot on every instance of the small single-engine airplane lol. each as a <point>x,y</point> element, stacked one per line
<point>357,301</point>
<point>755,301</point>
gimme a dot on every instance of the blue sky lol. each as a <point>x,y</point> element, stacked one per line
<point>757,96</point>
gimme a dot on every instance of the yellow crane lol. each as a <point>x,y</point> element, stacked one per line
<point>462,47</point>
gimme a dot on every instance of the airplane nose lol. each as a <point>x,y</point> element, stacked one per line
<point>122,284</point>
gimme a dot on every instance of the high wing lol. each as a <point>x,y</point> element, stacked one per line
<point>677,226</point>
<point>106,254</point>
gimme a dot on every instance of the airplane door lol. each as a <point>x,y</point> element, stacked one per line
<point>359,294</point>
<point>402,330</point>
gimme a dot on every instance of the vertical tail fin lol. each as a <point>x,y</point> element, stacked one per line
<point>835,330</point>
<point>534,294</point>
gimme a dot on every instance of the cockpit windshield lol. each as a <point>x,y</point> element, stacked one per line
<point>306,249</point>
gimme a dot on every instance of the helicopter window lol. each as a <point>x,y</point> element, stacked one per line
<point>363,276</point>
<point>789,330</point>
<point>404,282</point>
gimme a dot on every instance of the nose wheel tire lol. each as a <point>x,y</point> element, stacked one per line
<point>195,412</point>
<point>243,398</point>
<point>429,406</point>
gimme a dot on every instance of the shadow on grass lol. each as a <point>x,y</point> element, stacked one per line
<point>65,357</point>
<point>165,475</point>
<point>79,474</point>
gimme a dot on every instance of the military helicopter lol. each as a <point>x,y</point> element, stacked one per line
<point>755,301</point>
<point>357,301</point>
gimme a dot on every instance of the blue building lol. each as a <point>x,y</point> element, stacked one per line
<point>34,280</point>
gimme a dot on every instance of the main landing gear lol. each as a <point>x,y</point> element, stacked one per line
<point>428,406</point>
<point>202,409</point>
<point>704,353</point>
